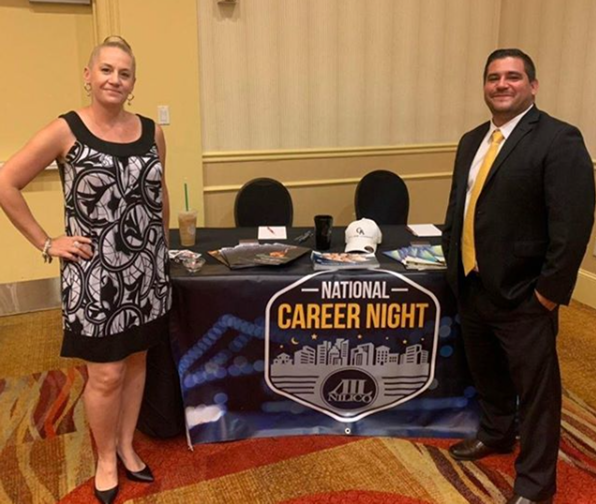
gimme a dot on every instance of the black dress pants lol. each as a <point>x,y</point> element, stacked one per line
<point>513,360</point>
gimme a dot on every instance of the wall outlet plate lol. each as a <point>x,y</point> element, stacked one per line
<point>163,114</point>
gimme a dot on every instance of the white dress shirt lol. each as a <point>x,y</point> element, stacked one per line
<point>506,130</point>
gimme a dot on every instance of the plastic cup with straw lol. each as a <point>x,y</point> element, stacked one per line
<point>187,222</point>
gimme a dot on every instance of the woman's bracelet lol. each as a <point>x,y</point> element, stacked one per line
<point>45,252</point>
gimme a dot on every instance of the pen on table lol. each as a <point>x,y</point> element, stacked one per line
<point>304,236</point>
<point>271,230</point>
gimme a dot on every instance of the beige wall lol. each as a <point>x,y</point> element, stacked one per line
<point>289,75</point>
<point>337,73</point>
<point>44,50</point>
<point>346,73</point>
<point>164,38</point>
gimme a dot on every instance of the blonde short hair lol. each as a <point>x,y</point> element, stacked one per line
<point>113,41</point>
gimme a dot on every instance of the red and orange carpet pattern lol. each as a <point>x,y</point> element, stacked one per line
<point>46,453</point>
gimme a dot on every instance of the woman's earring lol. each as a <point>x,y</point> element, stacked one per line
<point>130,98</point>
<point>87,88</point>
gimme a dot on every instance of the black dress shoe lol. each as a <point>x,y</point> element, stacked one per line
<point>106,496</point>
<point>143,476</point>
<point>518,499</point>
<point>473,449</point>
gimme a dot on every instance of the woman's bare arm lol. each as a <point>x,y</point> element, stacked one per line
<point>50,143</point>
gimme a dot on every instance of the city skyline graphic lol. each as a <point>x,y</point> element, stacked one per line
<point>339,354</point>
<point>388,376</point>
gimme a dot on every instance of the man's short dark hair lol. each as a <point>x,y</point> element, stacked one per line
<point>529,66</point>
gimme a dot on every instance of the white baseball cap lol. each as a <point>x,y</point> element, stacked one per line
<point>363,236</point>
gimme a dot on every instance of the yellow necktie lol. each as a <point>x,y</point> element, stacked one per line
<point>468,245</point>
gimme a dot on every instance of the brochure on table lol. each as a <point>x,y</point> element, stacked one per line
<point>342,260</point>
<point>419,257</point>
<point>247,255</point>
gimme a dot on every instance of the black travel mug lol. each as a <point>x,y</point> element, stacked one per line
<point>323,228</point>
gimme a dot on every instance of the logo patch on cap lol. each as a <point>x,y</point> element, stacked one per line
<point>363,236</point>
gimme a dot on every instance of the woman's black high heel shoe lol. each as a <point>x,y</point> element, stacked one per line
<point>106,496</point>
<point>143,476</point>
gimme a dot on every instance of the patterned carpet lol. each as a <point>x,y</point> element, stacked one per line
<point>46,453</point>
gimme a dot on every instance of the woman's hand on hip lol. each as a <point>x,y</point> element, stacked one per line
<point>72,248</point>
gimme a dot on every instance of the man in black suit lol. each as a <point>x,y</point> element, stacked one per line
<point>514,243</point>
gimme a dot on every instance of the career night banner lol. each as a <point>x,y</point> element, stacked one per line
<point>367,352</point>
<point>356,346</point>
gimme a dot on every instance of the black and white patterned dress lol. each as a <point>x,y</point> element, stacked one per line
<point>116,303</point>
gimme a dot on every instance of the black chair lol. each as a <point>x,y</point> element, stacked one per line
<point>382,196</point>
<point>263,202</point>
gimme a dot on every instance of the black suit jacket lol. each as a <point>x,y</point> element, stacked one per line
<point>534,215</point>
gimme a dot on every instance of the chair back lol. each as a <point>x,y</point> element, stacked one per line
<point>382,196</point>
<point>263,202</point>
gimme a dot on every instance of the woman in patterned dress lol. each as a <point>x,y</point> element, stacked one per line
<point>115,283</point>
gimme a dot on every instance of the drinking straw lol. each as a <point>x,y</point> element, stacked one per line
<point>186,195</point>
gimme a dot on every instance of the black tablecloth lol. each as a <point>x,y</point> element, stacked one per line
<point>162,414</point>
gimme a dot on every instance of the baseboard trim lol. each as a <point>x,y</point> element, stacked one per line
<point>323,153</point>
<point>30,296</point>
<point>585,289</point>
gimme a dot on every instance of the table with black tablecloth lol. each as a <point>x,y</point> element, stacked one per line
<point>255,357</point>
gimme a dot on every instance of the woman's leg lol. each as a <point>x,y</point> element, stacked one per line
<point>103,400</point>
<point>132,396</point>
